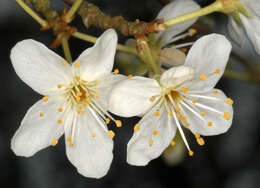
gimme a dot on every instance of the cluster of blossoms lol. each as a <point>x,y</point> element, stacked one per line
<point>78,97</point>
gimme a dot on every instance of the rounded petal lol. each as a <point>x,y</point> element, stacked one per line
<point>210,115</point>
<point>252,27</point>
<point>236,32</point>
<point>38,66</point>
<point>92,153</point>
<point>131,96</point>
<point>208,57</point>
<point>98,59</point>
<point>172,10</point>
<point>38,130</point>
<point>177,75</point>
<point>153,137</point>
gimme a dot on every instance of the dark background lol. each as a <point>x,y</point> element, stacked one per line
<point>230,160</point>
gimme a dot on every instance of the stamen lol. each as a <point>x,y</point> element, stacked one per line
<point>203,77</point>
<point>59,121</point>
<point>150,142</point>
<point>191,153</point>
<point>185,90</point>
<point>136,127</point>
<point>201,141</point>
<point>77,64</point>
<point>170,114</point>
<point>59,86</point>
<point>226,115</point>
<point>176,109</point>
<point>41,114</point>
<point>210,124</point>
<point>77,78</point>
<point>194,101</point>
<point>107,120</point>
<point>203,113</point>
<point>60,109</point>
<point>155,132</point>
<point>116,71</point>
<point>172,143</point>
<point>63,63</point>
<point>118,123</point>
<point>157,114</point>
<point>197,135</point>
<point>229,101</point>
<point>184,45</point>
<point>111,134</point>
<point>217,71</point>
<point>152,99</point>
<point>93,135</point>
<point>130,76</point>
<point>54,142</point>
<point>215,92</point>
<point>192,32</point>
<point>69,139</point>
<point>45,99</point>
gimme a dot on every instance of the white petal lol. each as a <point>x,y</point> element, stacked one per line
<point>214,112</point>
<point>236,32</point>
<point>91,156</point>
<point>176,76</point>
<point>172,10</point>
<point>208,54</point>
<point>38,66</point>
<point>139,150</point>
<point>36,132</point>
<point>252,27</point>
<point>131,96</point>
<point>98,59</point>
<point>252,6</point>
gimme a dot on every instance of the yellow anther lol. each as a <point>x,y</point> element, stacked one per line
<point>60,109</point>
<point>78,98</point>
<point>136,127</point>
<point>155,132</point>
<point>88,100</point>
<point>93,135</point>
<point>210,124</point>
<point>177,109</point>
<point>63,63</point>
<point>192,32</point>
<point>59,121</point>
<point>54,142</point>
<point>184,117</point>
<point>184,50</point>
<point>107,120</point>
<point>78,111</point>
<point>85,104</point>
<point>77,78</point>
<point>157,114</point>
<point>150,142</point>
<point>72,144</point>
<point>203,113</point>
<point>111,134</point>
<point>152,99</point>
<point>191,153</point>
<point>116,71</point>
<point>80,94</point>
<point>167,91</point>
<point>194,101</point>
<point>203,77</point>
<point>227,115</point>
<point>173,143</point>
<point>59,86</point>
<point>229,101</point>
<point>45,99</point>
<point>185,90</point>
<point>69,139</point>
<point>77,64</point>
<point>217,71</point>
<point>197,135</point>
<point>41,114</point>
<point>215,92</point>
<point>118,123</point>
<point>201,141</point>
<point>130,76</point>
<point>170,114</point>
<point>179,116</point>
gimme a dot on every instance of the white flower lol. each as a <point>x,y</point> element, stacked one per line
<point>172,10</point>
<point>249,25</point>
<point>185,96</point>
<point>74,103</point>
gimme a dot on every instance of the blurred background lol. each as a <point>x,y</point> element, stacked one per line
<point>230,160</point>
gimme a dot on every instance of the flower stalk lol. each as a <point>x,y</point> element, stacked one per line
<point>214,7</point>
<point>73,10</point>
<point>66,49</point>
